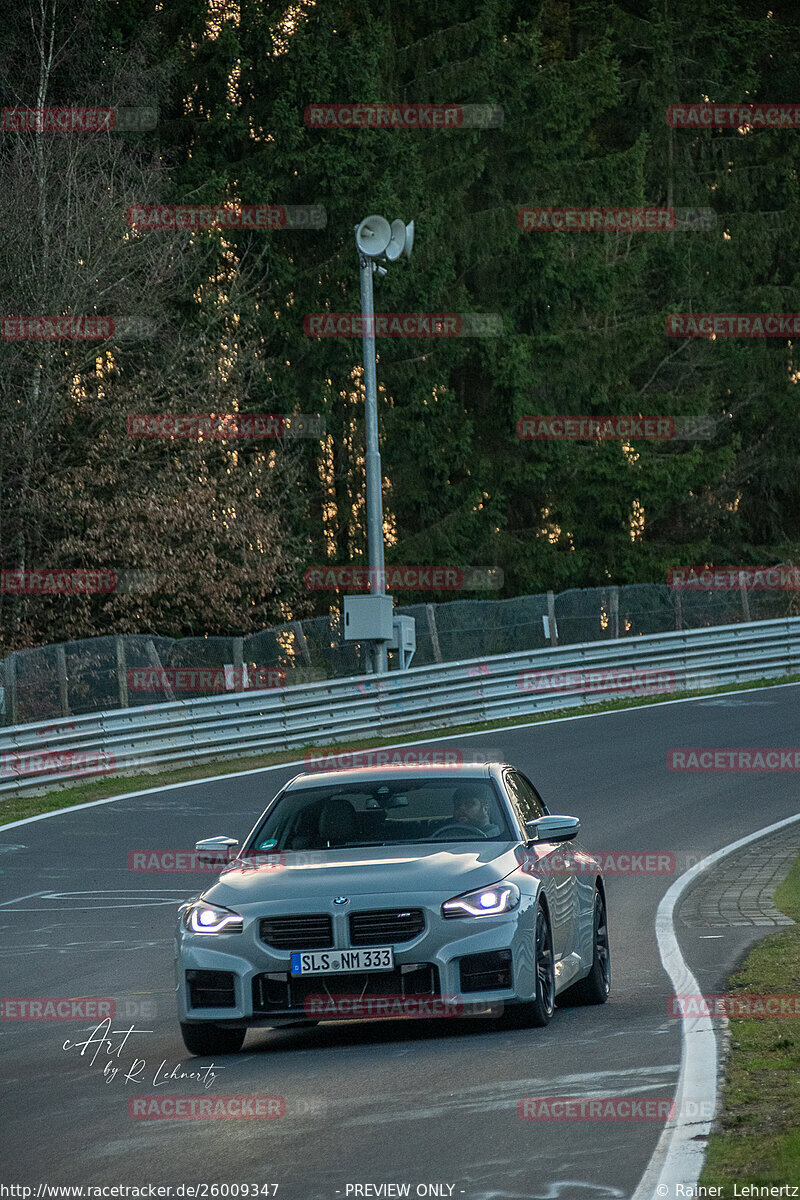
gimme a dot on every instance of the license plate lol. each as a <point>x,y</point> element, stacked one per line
<point>328,962</point>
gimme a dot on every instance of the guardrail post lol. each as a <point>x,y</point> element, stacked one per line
<point>63,693</point>
<point>122,671</point>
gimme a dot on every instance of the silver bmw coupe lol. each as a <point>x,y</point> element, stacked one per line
<point>393,892</point>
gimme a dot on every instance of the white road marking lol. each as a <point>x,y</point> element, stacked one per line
<point>19,899</point>
<point>125,897</point>
<point>500,1096</point>
<point>84,947</point>
<point>681,1149</point>
<point>124,892</point>
<point>169,787</point>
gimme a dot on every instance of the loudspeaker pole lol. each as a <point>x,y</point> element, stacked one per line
<point>376,238</point>
<point>373,461</point>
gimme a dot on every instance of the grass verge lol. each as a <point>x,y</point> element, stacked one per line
<point>16,808</point>
<point>758,1138</point>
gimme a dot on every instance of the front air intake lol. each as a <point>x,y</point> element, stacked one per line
<point>486,972</point>
<point>211,989</point>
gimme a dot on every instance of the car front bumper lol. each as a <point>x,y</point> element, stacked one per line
<point>255,986</point>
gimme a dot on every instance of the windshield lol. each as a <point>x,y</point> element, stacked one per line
<point>380,813</point>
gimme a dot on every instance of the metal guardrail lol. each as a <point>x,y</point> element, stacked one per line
<point>433,697</point>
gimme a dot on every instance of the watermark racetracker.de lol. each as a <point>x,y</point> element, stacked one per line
<point>73,119</point>
<point>719,579</point>
<point>88,327</point>
<point>34,763</point>
<point>734,758</point>
<point>733,325</point>
<point>225,426</point>
<point>758,1006</point>
<point>623,220</point>
<point>625,681</point>
<point>77,1008</point>
<point>193,1108</point>
<point>181,217</point>
<point>441,117</point>
<point>547,859</point>
<point>734,116</point>
<point>622,428</point>
<point>325,1007</point>
<point>433,578</point>
<point>205,679</point>
<point>403,325</point>
<point>596,1108</point>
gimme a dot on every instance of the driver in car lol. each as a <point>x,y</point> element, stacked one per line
<point>470,807</point>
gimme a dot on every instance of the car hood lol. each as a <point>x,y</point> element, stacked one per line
<point>323,874</point>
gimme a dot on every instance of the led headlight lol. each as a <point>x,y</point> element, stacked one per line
<point>211,918</point>
<point>484,902</point>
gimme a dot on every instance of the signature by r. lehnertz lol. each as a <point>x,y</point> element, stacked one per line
<point>107,1043</point>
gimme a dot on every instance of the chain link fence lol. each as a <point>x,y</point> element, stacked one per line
<point>99,674</point>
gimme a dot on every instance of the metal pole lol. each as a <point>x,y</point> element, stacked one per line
<point>238,664</point>
<point>434,632</point>
<point>551,618</point>
<point>614,606</point>
<point>745,598</point>
<point>373,462</point>
<point>63,691</point>
<point>122,671</point>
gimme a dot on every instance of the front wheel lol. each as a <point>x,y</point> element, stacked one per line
<point>537,1012</point>
<point>211,1039</point>
<point>595,987</point>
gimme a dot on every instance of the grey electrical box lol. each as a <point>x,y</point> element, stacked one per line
<point>404,640</point>
<point>367,618</point>
<point>404,635</point>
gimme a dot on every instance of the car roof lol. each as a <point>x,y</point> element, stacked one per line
<point>309,779</point>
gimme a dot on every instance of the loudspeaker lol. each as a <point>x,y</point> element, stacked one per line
<point>373,236</point>
<point>401,241</point>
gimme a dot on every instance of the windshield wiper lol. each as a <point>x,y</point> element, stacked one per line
<point>356,845</point>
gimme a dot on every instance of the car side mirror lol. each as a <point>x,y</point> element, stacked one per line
<point>210,850</point>
<point>553,829</point>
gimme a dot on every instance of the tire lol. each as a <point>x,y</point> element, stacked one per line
<point>211,1039</point>
<point>536,1013</point>
<point>594,989</point>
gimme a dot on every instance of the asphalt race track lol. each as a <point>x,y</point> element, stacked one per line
<point>400,1102</point>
